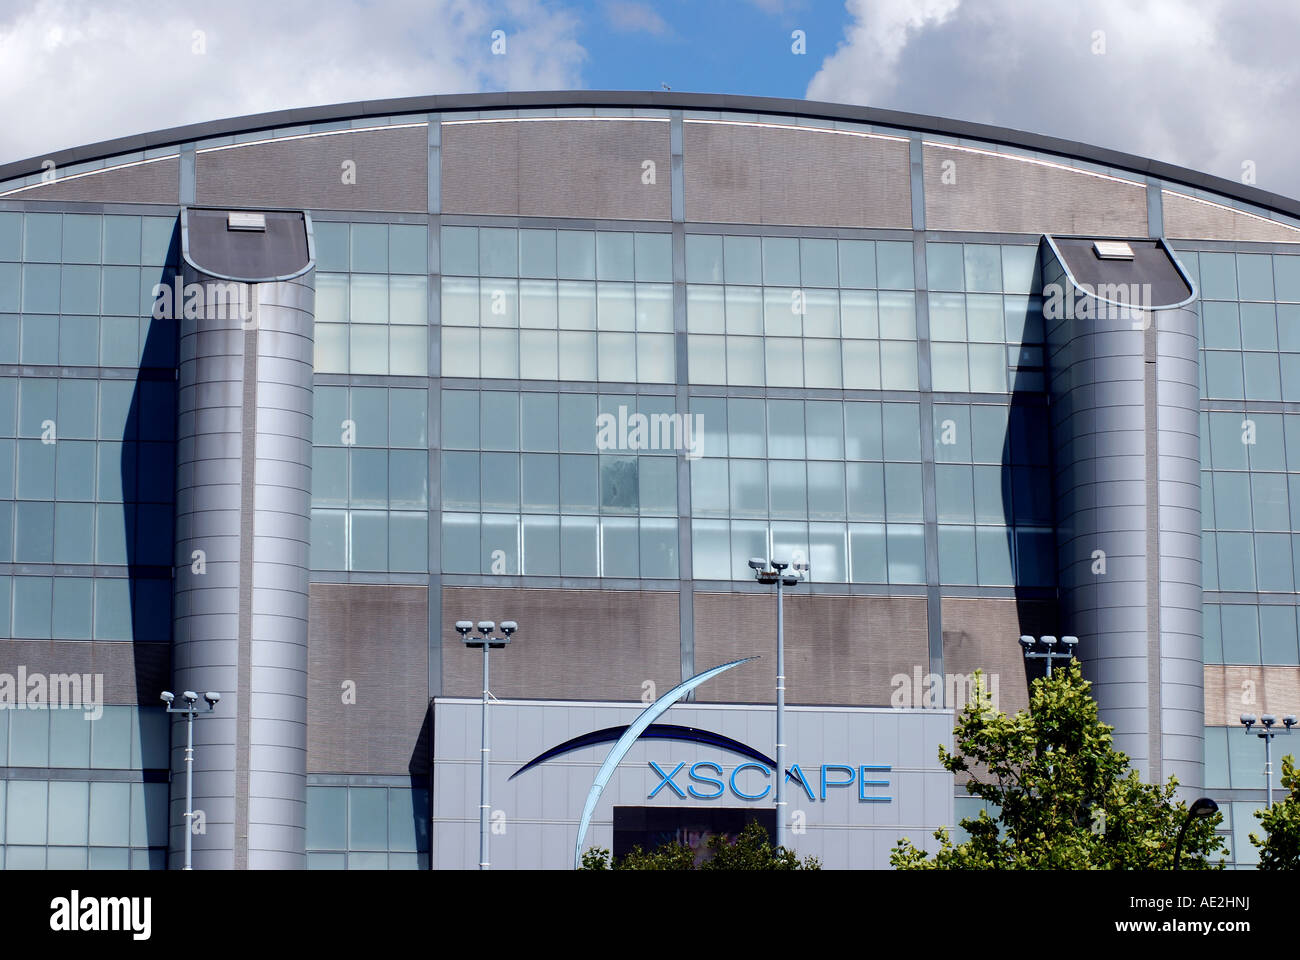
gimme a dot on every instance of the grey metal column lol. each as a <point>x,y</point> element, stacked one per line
<point>1125,400</point>
<point>243,517</point>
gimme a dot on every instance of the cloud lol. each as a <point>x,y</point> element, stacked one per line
<point>1206,84</point>
<point>628,17</point>
<point>79,71</point>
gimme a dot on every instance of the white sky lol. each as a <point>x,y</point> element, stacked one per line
<point>1207,84</point>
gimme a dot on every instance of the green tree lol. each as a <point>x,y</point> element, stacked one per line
<point>1280,848</point>
<point>1063,797</point>
<point>751,851</point>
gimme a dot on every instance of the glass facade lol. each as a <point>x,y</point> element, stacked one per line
<point>1250,454</point>
<point>355,827</point>
<point>86,792</point>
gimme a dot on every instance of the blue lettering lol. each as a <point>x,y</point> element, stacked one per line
<point>746,796</point>
<point>833,783</point>
<point>667,779</point>
<point>802,780</point>
<point>863,783</point>
<point>709,780</point>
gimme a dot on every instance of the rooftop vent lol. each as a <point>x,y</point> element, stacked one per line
<point>255,221</point>
<point>1112,250</point>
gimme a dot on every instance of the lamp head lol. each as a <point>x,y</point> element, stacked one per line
<point>463,627</point>
<point>1289,721</point>
<point>1204,807</point>
<point>779,565</point>
<point>508,627</point>
<point>1049,642</point>
<point>1070,642</point>
<point>1268,720</point>
<point>757,563</point>
<point>167,697</point>
<point>189,696</point>
<point>790,581</point>
<point>213,698</point>
<point>1248,720</point>
<point>485,627</point>
<point>1027,642</point>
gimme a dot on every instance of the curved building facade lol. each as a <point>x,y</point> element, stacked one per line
<point>572,359</point>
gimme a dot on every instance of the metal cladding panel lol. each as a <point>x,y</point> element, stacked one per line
<point>390,166</point>
<point>154,182</point>
<point>543,167</point>
<point>755,173</point>
<point>969,189</point>
<point>544,804</point>
<point>244,500</point>
<point>571,645</point>
<point>1188,218</point>
<point>838,650</point>
<point>368,680</point>
<point>1177,389</point>
<point>1125,420</point>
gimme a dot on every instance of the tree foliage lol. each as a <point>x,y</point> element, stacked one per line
<point>1280,848</point>
<point>752,850</point>
<point>1062,796</point>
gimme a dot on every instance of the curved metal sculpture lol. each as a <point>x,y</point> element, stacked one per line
<point>634,730</point>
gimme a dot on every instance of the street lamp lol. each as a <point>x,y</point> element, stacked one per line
<point>1267,721</point>
<point>777,575</point>
<point>190,709</point>
<point>1203,807</point>
<point>1028,643</point>
<point>485,641</point>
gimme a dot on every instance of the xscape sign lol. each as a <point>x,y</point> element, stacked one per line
<point>855,775</point>
<point>743,782</point>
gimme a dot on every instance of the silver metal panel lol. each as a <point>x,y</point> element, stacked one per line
<point>243,498</point>
<point>1125,402</point>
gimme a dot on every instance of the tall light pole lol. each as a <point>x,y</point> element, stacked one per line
<point>777,575</point>
<point>1050,653</point>
<point>190,709</point>
<point>486,641</point>
<point>1267,735</point>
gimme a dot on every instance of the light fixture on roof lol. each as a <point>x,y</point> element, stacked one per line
<point>1112,250</point>
<point>236,220</point>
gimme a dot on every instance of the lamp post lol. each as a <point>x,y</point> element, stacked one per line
<point>190,709</point>
<point>1049,653</point>
<point>1202,807</point>
<point>1267,734</point>
<point>485,641</point>
<point>777,575</point>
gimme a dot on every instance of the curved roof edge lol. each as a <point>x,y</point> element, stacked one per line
<point>663,100</point>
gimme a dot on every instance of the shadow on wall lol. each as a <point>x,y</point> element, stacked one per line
<point>1029,495</point>
<point>419,768</point>
<point>148,475</point>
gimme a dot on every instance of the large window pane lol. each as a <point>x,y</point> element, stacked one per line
<point>541,546</point>
<point>537,253</point>
<point>743,258</point>
<point>578,547</point>
<point>576,254</point>
<point>703,258</point>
